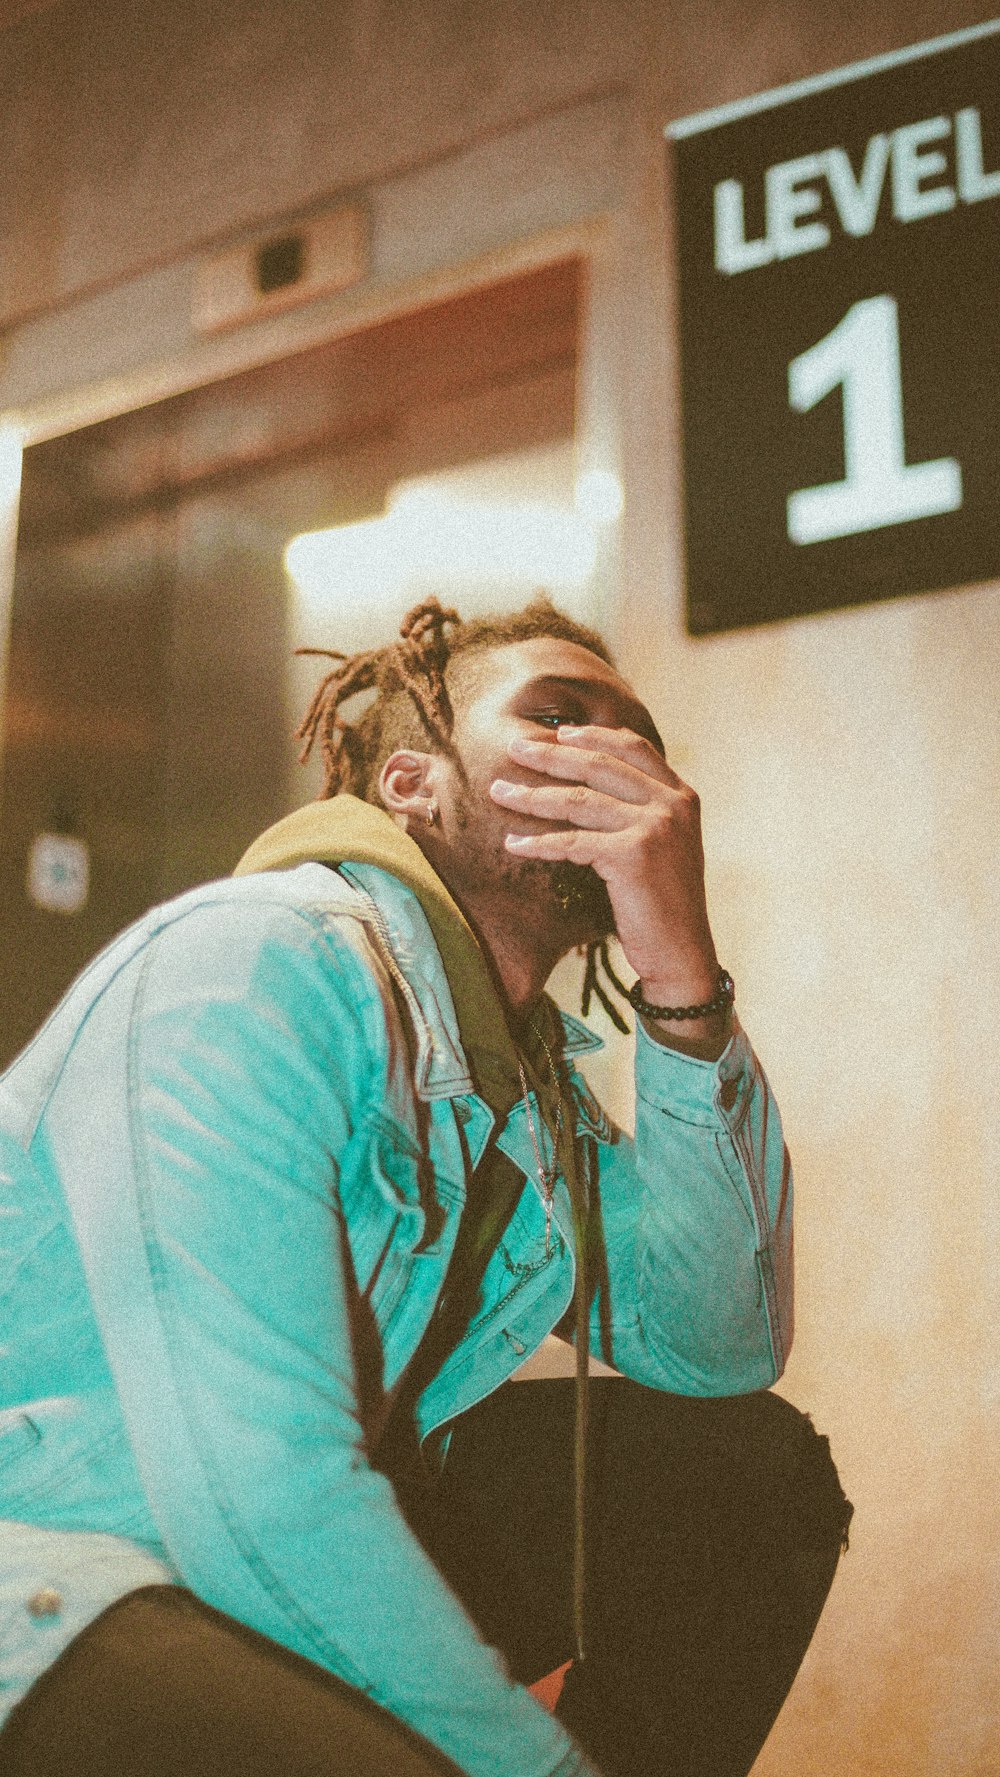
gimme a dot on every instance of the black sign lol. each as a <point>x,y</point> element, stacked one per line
<point>839,254</point>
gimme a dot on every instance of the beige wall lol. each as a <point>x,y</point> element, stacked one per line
<point>850,770</point>
<point>848,763</point>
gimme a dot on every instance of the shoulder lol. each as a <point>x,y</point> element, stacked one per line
<point>269,935</point>
<point>271,965</point>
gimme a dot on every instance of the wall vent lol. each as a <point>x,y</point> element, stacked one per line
<point>287,266</point>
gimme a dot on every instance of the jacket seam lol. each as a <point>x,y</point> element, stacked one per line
<point>765,1272</point>
<point>451,1084</point>
<point>244,1545</point>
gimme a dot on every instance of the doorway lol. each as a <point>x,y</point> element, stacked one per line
<point>152,691</point>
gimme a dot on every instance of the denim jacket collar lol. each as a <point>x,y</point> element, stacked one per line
<point>396,917</point>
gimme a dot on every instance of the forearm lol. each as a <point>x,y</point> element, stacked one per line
<point>696,1221</point>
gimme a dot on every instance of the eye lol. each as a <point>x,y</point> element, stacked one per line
<point>554,715</point>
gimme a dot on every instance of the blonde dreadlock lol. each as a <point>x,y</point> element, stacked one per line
<point>408,677</point>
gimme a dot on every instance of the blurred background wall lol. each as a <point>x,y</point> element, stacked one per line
<point>489,182</point>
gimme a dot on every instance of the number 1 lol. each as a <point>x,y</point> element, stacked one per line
<point>879,487</point>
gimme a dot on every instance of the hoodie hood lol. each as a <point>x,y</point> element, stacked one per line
<point>344,830</point>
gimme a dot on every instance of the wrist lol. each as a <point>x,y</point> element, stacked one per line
<point>690,987</point>
<point>678,974</point>
<point>718,998</point>
<point>702,1038</point>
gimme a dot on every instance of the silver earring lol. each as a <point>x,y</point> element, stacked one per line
<point>431,814</point>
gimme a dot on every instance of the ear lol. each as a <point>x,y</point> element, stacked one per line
<point>406,785</point>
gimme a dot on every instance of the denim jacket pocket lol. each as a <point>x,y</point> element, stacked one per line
<point>65,1461</point>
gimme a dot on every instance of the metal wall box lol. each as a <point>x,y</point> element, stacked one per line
<point>292,263</point>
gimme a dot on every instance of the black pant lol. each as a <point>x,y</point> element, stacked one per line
<point>714,1529</point>
<point>713,1532</point>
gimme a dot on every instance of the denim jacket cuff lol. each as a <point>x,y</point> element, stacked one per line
<point>692,1090</point>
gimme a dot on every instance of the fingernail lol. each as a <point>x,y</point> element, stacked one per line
<point>516,841</point>
<point>565,732</point>
<point>500,787</point>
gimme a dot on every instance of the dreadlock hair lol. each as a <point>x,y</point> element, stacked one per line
<point>413,705</point>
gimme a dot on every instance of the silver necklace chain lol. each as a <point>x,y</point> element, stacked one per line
<point>547,1174</point>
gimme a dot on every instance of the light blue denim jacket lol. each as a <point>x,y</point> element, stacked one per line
<point>231,1172</point>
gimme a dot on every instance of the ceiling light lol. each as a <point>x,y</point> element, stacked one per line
<point>427,536</point>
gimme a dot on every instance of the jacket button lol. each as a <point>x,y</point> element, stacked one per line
<point>45,1603</point>
<point>729,1092</point>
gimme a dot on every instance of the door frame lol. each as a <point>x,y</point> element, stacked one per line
<point>550,190</point>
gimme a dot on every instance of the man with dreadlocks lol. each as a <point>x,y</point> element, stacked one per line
<point>300,1173</point>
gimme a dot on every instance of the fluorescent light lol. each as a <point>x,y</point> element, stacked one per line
<point>429,536</point>
<point>599,497</point>
<point>11,451</point>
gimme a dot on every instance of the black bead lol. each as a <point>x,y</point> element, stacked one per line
<point>724,995</point>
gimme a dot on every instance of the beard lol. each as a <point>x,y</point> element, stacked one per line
<point>576,894</point>
<point>583,897</point>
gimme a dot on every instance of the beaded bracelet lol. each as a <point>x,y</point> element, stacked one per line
<point>724,995</point>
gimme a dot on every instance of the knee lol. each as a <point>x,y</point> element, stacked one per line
<point>791,1462</point>
<point>754,1456</point>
